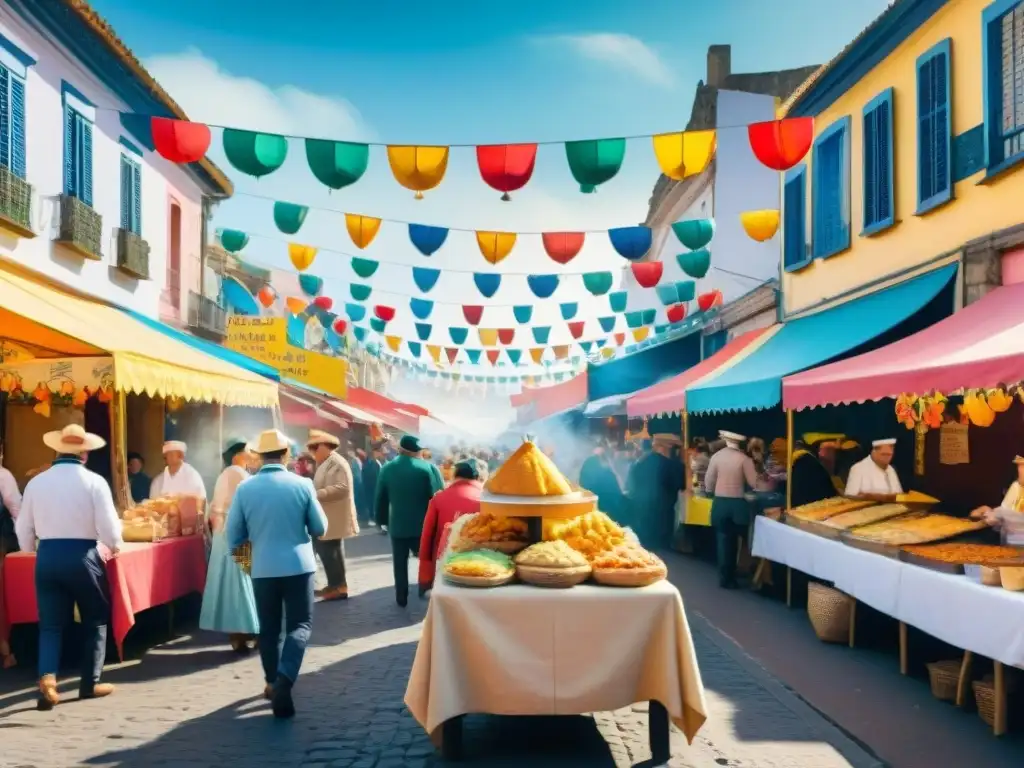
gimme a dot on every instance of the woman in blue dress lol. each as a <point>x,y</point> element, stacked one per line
<point>228,602</point>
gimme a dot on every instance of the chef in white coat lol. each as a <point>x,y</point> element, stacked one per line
<point>179,478</point>
<point>873,477</point>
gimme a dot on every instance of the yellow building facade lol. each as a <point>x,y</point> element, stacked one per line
<point>918,153</point>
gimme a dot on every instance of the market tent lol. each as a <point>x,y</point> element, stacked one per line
<point>353,413</point>
<point>536,403</point>
<point>608,406</point>
<point>980,346</point>
<point>146,361</point>
<point>382,408</point>
<point>635,371</point>
<point>756,381</point>
<point>300,409</point>
<point>669,396</point>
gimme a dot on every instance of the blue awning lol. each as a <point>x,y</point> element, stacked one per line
<point>640,370</point>
<point>756,381</point>
<point>222,353</point>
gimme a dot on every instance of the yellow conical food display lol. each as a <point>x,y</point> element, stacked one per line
<point>528,472</point>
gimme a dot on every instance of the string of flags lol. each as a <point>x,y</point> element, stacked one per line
<point>506,168</point>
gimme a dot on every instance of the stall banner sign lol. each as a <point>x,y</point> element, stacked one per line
<point>266,339</point>
<point>954,446</point>
<point>61,381</point>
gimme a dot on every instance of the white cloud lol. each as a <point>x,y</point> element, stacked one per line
<point>624,52</point>
<point>211,95</point>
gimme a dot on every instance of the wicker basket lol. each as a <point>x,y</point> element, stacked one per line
<point>553,577</point>
<point>1012,578</point>
<point>944,677</point>
<point>990,577</point>
<point>479,581</point>
<point>829,612</point>
<point>630,577</point>
<point>985,700</point>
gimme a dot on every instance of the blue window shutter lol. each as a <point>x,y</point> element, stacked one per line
<point>69,151</point>
<point>18,164</point>
<point>878,170</point>
<point>934,133</point>
<point>794,220</point>
<point>830,191</point>
<point>137,198</point>
<point>5,117</point>
<point>126,193</point>
<point>86,166</point>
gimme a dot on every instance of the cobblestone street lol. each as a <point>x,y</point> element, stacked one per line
<point>189,702</point>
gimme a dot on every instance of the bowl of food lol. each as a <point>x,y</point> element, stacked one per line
<point>552,564</point>
<point>628,565</point>
<point>479,568</point>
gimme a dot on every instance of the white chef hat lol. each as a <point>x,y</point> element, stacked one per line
<point>175,445</point>
<point>731,437</point>
<point>883,441</point>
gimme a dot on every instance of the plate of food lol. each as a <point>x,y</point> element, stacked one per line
<point>487,531</point>
<point>552,564</point>
<point>479,568</point>
<point>628,565</point>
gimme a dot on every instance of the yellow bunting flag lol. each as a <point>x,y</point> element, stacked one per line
<point>301,255</point>
<point>418,168</point>
<point>537,354</point>
<point>488,336</point>
<point>561,351</point>
<point>607,352</point>
<point>394,343</point>
<point>760,225</point>
<point>295,305</point>
<point>640,334</point>
<point>362,229</point>
<point>685,153</point>
<point>495,246</point>
<point>435,353</point>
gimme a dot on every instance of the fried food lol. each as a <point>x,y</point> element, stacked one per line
<point>626,557</point>
<point>528,472</point>
<point>967,554</point>
<point>485,527</point>
<point>866,516</point>
<point>917,529</point>
<point>589,534</point>
<point>482,564</point>
<point>550,554</point>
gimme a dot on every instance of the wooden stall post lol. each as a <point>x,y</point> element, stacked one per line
<point>999,684</point>
<point>904,654</point>
<point>118,450</point>
<point>789,495</point>
<point>686,447</point>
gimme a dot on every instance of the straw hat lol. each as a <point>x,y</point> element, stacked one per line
<point>72,439</point>
<point>529,484</point>
<point>270,441</point>
<point>318,437</point>
<point>666,438</point>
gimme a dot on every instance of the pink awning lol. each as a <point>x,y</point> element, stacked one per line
<point>669,396</point>
<point>543,402</point>
<point>980,346</point>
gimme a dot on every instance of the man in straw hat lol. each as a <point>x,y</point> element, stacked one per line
<point>730,473</point>
<point>654,484</point>
<point>277,512</point>
<point>179,478</point>
<point>69,508</point>
<point>404,489</point>
<point>873,477</point>
<point>336,493</point>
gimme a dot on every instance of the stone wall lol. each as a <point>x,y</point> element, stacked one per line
<point>982,260</point>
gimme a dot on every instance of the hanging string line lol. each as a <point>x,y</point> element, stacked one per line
<point>541,143</point>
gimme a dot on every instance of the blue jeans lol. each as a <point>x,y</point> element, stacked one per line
<point>290,598</point>
<point>70,572</point>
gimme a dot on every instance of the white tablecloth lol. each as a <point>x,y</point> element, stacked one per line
<point>986,620</point>
<point>521,650</point>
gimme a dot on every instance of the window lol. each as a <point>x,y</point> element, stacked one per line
<point>12,122</point>
<point>934,132</point>
<point>794,224</point>
<point>77,155</point>
<point>830,232</point>
<point>878,172</point>
<point>131,195</point>
<point>1003,86</point>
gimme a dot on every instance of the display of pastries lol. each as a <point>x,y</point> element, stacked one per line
<point>478,568</point>
<point>487,531</point>
<point>589,534</point>
<point>822,510</point>
<point>917,529</point>
<point>865,516</point>
<point>550,554</point>
<point>628,565</point>
<point>967,554</point>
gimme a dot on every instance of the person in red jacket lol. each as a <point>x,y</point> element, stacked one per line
<point>460,498</point>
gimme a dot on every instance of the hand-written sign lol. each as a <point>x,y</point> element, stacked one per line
<point>953,444</point>
<point>266,339</point>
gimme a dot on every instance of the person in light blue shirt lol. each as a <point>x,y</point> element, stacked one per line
<point>277,513</point>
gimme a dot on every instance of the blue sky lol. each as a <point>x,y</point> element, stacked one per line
<point>450,72</point>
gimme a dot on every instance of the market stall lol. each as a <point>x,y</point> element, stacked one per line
<point>574,571</point>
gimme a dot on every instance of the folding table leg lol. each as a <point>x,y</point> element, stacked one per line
<point>963,683</point>
<point>451,739</point>
<point>999,724</point>
<point>904,651</point>
<point>658,732</point>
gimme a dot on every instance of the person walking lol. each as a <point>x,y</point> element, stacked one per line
<point>371,471</point>
<point>404,490</point>
<point>229,604</point>
<point>730,473</point>
<point>460,498</point>
<point>336,494</point>
<point>70,509</point>
<point>277,512</point>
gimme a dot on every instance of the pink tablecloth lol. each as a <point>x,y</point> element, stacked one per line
<point>141,577</point>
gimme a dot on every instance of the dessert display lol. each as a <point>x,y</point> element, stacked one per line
<point>822,510</point>
<point>552,564</point>
<point>590,534</point>
<point>163,517</point>
<point>529,485</point>
<point>917,528</point>
<point>479,568</point>
<point>866,516</point>
<point>628,565</point>
<point>487,531</point>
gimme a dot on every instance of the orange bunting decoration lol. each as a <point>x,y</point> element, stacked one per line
<point>620,339</point>
<point>709,300</point>
<point>495,246</point>
<point>179,140</point>
<point>781,144</point>
<point>537,354</point>
<point>506,167</point>
<point>641,334</point>
<point>362,229</point>
<point>561,351</point>
<point>267,296</point>
<point>760,225</point>
<point>295,305</point>
<point>493,355</point>
<point>562,247</point>
<point>418,168</point>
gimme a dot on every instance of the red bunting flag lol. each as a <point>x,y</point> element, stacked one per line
<point>506,167</point>
<point>492,355</point>
<point>340,326</point>
<point>472,313</point>
<point>452,353</point>
<point>708,300</point>
<point>781,144</point>
<point>506,335</point>
<point>576,328</point>
<point>562,247</point>
<point>385,313</point>
<point>647,273</point>
<point>179,140</point>
<point>676,313</point>
<point>323,302</point>
<point>620,339</point>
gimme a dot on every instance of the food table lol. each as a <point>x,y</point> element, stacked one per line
<point>523,650</point>
<point>954,609</point>
<point>142,576</point>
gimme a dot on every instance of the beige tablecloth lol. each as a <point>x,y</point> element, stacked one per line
<point>521,650</point>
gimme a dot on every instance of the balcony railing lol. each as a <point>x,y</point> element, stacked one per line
<point>206,317</point>
<point>15,203</point>
<point>81,228</point>
<point>132,254</point>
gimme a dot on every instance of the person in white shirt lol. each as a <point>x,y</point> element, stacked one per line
<point>1008,517</point>
<point>179,478</point>
<point>70,509</point>
<point>873,478</point>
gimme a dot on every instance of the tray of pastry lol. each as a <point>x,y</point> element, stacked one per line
<point>952,556</point>
<point>915,528</point>
<point>856,518</point>
<point>816,527</point>
<point>822,510</point>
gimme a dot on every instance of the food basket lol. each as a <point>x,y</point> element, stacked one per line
<point>630,577</point>
<point>493,569</point>
<point>944,677</point>
<point>1012,577</point>
<point>829,612</point>
<point>985,697</point>
<point>990,577</point>
<point>553,577</point>
<point>479,581</point>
